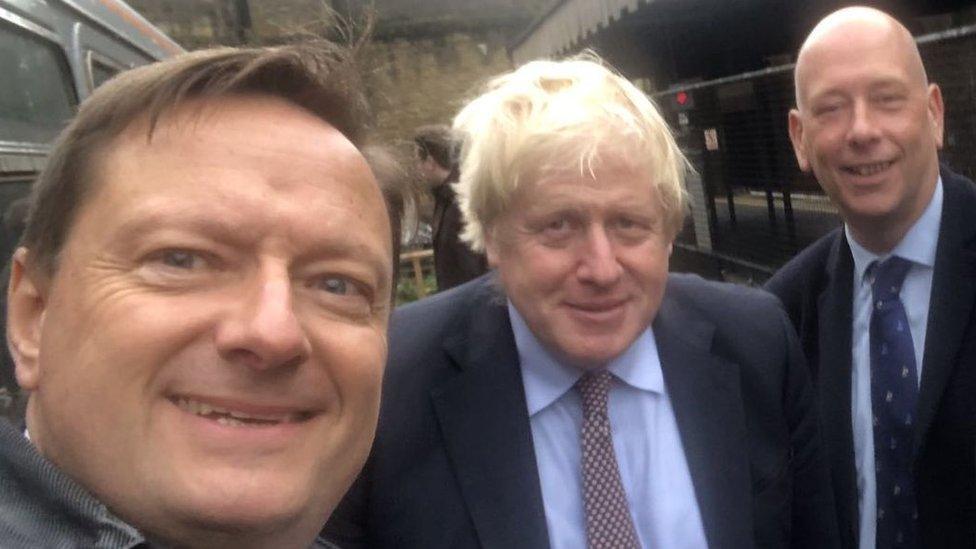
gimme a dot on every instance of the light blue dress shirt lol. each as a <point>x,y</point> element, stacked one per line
<point>918,246</point>
<point>650,456</point>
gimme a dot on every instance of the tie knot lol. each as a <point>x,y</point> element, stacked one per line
<point>889,276</point>
<point>594,387</point>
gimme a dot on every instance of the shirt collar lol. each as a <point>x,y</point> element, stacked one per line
<point>918,245</point>
<point>546,379</point>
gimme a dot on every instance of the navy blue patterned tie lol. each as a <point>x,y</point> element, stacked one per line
<point>894,393</point>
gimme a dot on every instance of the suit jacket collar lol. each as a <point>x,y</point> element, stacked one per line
<point>835,313</point>
<point>707,399</point>
<point>484,421</point>
<point>953,296</point>
<point>952,299</point>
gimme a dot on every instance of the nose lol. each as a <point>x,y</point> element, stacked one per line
<point>598,262</point>
<point>863,129</point>
<point>262,330</point>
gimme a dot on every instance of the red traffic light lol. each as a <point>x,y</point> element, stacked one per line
<point>682,101</point>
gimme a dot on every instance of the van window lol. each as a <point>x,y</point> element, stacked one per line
<point>101,72</point>
<point>100,69</point>
<point>37,97</point>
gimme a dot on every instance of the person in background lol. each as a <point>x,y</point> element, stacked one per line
<point>14,218</point>
<point>454,261</point>
<point>579,395</point>
<point>198,309</point>
<point>886,305</point>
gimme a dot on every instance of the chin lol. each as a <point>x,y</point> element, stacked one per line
<point>255,516</point>
<point>248,502</point>
<point>596,355</point>
<point>875,209</point>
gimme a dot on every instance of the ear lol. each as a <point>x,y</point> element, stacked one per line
<point>796,137</point>
<point>26,304</point>
<point>491,247</point>
<point>936,114</point>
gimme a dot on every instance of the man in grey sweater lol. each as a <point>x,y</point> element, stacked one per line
<point>198,310</point>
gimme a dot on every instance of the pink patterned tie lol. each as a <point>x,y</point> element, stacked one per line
<point>608,521</point>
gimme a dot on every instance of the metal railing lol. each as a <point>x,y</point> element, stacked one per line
<point>761,209</point>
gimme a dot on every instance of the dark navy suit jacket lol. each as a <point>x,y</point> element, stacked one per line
<point>453,464</point>
<point>817,287</point>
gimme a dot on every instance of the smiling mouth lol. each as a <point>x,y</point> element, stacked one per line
<point>237,418</point>
<point>866,170</point>
<point>597,307</point>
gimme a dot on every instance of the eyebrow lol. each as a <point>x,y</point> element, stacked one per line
<point>885,84</point>
<point>220,229</point>
<point>873,83</point>
<point>154,215</point>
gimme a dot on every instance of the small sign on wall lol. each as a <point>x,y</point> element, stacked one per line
<point>711,139</point>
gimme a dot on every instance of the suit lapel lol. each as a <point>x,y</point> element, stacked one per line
<point>953,295</point>
<point>484,421</point>
<point>834,384</point>
<point>706,396</point>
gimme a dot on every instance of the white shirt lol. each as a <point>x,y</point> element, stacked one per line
<point>919,247</point>
<point>650,456</point>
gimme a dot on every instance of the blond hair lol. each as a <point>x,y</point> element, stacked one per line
<point>550,115</point>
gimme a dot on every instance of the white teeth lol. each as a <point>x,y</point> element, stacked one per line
<point>227,416</point>
<point>869,169</point>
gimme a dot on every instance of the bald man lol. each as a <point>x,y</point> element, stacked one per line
<point>885,304</point>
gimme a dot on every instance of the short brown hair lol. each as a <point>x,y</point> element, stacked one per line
<point>438,142</point>
<point>320,76</point>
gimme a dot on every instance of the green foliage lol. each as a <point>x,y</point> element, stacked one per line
<point>407,288</point>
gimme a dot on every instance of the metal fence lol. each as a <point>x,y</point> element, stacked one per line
<point>758,208</point>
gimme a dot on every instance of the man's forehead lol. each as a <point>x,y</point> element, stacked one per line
<point>857,33</point>
<point>193,123</point>
<point>234,131</point>
<point>198,115</point>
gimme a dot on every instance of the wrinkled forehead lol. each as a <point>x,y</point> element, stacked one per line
<point>612,179</point>
<point>605,148</point>
<point>261,143</point>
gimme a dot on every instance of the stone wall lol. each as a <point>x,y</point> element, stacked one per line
<point>426,58</point>
<point>425,81</point>
<point>192,23</point>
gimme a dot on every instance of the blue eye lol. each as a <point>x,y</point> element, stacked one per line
<point>558,227</point>
<point>179,259</point>
<point>337,285</point>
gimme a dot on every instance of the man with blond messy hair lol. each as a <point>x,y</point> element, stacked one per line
<point>580,395</point>
<point>886,305</point>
